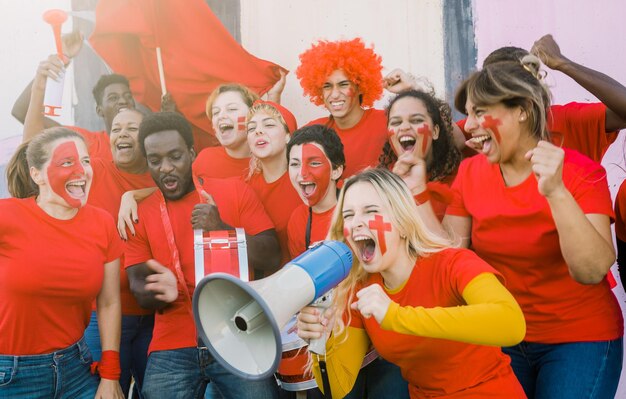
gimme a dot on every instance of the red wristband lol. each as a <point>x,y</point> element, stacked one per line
<point>109,367</point>
<point>422,197</point>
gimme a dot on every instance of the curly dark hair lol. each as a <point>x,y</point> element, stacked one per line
<point>446,157</point>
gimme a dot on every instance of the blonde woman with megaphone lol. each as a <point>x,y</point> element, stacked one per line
<point>440,313</point>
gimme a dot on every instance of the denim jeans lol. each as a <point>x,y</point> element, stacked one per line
<point>380,380</point>
<point>63,374</point>
<point>184,374</point>
<point>134,343</point>
<point>568,370</point>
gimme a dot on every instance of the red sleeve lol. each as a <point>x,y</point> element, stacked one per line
<point>581,127</point>
<point>620,215</point>
<point>253,217</point>
<point>115,248</point>
<point>587,182</point>
<point>463,266</point>
<point>137,247</point>
<point>456,207</point>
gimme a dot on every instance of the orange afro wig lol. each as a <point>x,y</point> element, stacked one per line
<point>360,64</point>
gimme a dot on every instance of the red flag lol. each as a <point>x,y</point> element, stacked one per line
<point>198,53</point>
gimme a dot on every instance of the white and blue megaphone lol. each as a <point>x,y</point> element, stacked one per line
<point>240,322</point>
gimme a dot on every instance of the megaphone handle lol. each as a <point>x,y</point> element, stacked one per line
<point>319,345</point>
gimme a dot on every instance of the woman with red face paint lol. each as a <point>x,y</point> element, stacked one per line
<point>541,216</point>
<point>127,170</point>
<point>227,108</point>
<point>46,290</point>
<point>315,164</point>
<point>421,124</point>
<point>315,156</point>
<point>269,127</point>
<point>437,312</point>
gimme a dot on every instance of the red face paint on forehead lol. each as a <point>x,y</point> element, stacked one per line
<point>316,168</point>
<point>380,226</point>
<point>64,167</point>
<point>427,133</point>
<point>492,124</point>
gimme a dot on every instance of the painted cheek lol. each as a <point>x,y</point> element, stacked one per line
<point>393,141</point>
<point>346,232</point>
<point>319,175</point>
<point>350,92</point>
<point>380,226</point>
<point>59,176</point>
<point>425,131</point>
<point>492,124</point>
<point>241,124</point>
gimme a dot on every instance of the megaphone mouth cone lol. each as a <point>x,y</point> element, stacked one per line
<point>55,16</point>
<point>237,326</point>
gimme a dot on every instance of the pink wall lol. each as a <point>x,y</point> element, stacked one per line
<point>587,33</point>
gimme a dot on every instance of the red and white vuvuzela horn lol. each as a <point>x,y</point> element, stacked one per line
<point>53,99</point>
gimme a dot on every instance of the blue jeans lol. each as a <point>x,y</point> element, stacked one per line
<point>59,375</point>
<point>568,370</point>
<point>184,374</point>
<point>134,342</point>
<point>380,379</point>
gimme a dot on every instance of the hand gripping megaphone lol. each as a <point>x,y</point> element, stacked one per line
<point>241,322</point>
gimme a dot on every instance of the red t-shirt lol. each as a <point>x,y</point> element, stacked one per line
<point>438,367</point>
<point>620,212</point>
<point>579,126</point>
<point>441,195</point>
<point>214,162</point>
<point>296,232</point>
<point>279,199</point>
<point>107,187</point>
<point>50,272</point>
<point>98,143</point>
<point>363,143</point>
<point>513,230</point>
<point>238,207</point>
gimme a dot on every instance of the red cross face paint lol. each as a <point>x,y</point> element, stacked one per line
<point>492,124</point>
<point>425,131</point>
<point>380,226</point>
<point>315,172</point>
<point>241,124</point>
<point>67,176</point>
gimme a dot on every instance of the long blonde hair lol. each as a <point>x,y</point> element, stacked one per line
<point>418,240</point>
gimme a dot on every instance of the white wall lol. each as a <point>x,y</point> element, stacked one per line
<point>25,40</point>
